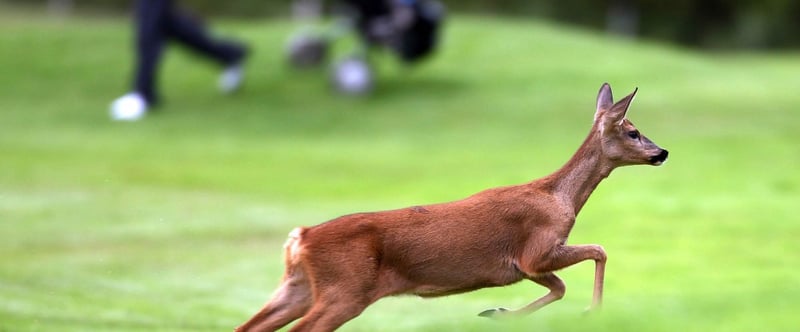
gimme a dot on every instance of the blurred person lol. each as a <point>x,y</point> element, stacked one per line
<point>156,22</point>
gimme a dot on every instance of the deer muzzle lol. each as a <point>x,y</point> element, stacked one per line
<point>659,158</point>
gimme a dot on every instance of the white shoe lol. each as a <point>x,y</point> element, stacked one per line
<point>231,79</point>
<point>353,76</point>
<point>130,107</point>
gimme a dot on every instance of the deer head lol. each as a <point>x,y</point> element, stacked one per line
<point>620,141</point>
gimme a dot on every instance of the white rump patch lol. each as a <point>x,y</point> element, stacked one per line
<point>292,244</point>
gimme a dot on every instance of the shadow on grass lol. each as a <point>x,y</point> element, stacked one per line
<point>399,87</point>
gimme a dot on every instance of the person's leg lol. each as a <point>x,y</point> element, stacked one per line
<point>149,45</point>
<point>230,54</point>
<point>151,31</point>
<point>189,31</point>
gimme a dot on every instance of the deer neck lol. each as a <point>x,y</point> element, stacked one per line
<point>577,179</point>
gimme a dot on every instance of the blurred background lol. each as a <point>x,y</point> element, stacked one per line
<point>699,23</point>
<point>176,222</point>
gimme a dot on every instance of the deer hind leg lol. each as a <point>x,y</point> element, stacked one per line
<point>289,302</point>
<point>338,299</point>
<point>328,314</point>
<point>293,297</point>
<point>561,257</point>
<point>344,283</point>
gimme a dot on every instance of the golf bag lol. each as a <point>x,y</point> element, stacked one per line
<point>408,28</point>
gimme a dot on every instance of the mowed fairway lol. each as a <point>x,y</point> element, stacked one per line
<point>176,223</point>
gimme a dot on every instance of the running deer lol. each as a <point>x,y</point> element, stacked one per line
<point>493,238</point>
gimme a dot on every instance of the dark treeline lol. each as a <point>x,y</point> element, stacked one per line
<point>698,23</point>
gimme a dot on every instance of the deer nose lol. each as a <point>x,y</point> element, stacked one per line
<point>659,158</point>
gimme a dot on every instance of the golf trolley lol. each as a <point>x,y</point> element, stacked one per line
<point>407,28</point>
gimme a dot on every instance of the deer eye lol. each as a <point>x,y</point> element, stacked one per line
<point>633,134</point>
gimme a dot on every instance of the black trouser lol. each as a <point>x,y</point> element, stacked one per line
<point>159,20</point>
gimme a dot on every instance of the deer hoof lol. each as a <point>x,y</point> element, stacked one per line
<point>493,313</point>
<point>590,310</point>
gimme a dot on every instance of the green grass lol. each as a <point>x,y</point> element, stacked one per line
<point>175,223</point>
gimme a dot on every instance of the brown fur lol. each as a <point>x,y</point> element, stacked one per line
<point>493,238</point>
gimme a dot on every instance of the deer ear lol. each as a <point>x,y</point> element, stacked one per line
<point>618,111</point>
<point>604,98</point>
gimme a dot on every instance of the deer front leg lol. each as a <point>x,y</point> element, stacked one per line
<point>565,256</point>
<point>549,280</point>
<point>561,257</point>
